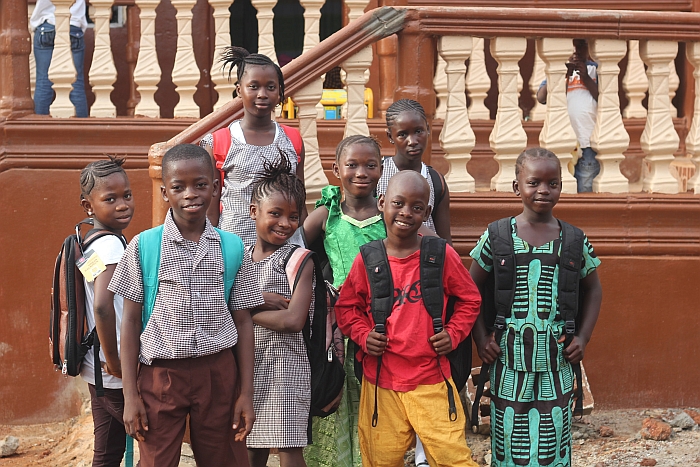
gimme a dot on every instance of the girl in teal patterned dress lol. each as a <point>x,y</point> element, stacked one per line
<point>346,221</point>
<point>531,373</point>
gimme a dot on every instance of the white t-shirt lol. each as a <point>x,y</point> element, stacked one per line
<point>582,107</point>
<point>44,10</point>
<point>110,250</point>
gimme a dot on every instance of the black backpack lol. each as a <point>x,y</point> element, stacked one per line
<point>499,293</point>
<point>69,338</point>
<point>432,260</point>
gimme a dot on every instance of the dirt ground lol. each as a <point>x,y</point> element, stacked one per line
<point>69,443</point>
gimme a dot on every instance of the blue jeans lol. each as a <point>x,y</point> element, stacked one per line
<point>43,51</point>
<point>587,168</point>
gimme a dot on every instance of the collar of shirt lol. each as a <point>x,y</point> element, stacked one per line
<point>172,232</point>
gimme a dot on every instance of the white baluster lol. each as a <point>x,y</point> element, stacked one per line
<point>659,140</point>
<point>355,68</point>
<point>62,70</point>
<point>635,82</point>
<point>147,72</point>
<point>32,62</point>
<point>478,82</point>
<point>537,113</point>
<point>222,38</point>
<point>312,19</point>
<point>692,141</point>
<point>673,82</point>
<point>103,73</point>
<point>266,38</point>
<point>457,137</point>
<point>314,176</point>
<point>356,8</point>
<point>557,135</point>
<point>185,70</point>
<point>610,138</point>
<point>440,85</point>
<point>508,138</point>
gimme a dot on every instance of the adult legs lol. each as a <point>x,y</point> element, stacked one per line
<point>44,37</point>
<point>587,168</point>
<point>292,457</point>
<point>77,94</point>
<point>110,437</point>
<point>257,457</point>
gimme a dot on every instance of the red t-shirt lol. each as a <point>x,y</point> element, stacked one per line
<point>409,359</point>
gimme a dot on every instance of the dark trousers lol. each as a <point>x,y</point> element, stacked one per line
<point>108,417</point>
<point>204,388</point>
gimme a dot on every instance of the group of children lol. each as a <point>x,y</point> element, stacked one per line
<point>211,328</point>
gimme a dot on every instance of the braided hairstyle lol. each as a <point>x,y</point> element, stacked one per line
<point>240,57</point>
<point>404,105</point>
<point>97,170</point>
<point>276,177</point>
<point>534,153</point>
<point>357,139</point>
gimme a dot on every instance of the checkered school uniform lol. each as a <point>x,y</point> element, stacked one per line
<point>282,380</point>
<point>390,170</point>
<point>190,316</point>
<point>242,164</point>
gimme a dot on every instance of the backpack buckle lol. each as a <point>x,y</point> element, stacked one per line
<point>379,328</point>
<point>437,325</point>
<point>570,326</point>
<point>500,322</point>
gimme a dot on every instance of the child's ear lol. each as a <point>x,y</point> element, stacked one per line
<point>388,135</point>
<point>336,170</point>
<point>87,207</point>
<point>215,183</point>
<point>253,211</point>
<point>164,194</point>
<point>516,188</point>
<point>380,203</point>
<point>428,211</point>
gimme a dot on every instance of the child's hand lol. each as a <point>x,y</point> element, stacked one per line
<point>115,370</point>
<point>574,352</point>
<point>135,420</point>
<point>273,301</point>
<point>489,350</point>
<point>376,343</point>
<point>243,417</point>
<point>442,342</point>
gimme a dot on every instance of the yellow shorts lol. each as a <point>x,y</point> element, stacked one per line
<point>402,416</point>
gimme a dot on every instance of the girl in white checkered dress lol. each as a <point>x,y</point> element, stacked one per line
<point>254,139</point>
<point>282,378</point>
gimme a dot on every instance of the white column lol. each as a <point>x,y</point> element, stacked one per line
<point>635,83</point>
<point>356,8</point>
<point>692,141</point>
<point>103,73</point>
<point>457,137</point>
<point>355,67</point>
<point>508,138</point>
<point>478,82</point>
<point>62,70</point>
<point>312,19</point>
<point>32,62</point>
<point>440,85</point>
<point>673,82</point>
<point>659,140</point>
<point>222,38</point>
<point>610,138</point>
<point>185,70</point>
<point>557,135</point>
<point>147,72</point>
<point>538,69</point>
<point>266,38</point>
<point>314,176</point>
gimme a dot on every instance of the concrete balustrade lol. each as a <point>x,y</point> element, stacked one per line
<point>62,69</point>
<point>635,83</point>
<point>103,73</point>
<point>692,141</point>
<point>355,69</point>
<point>147,71</point>
<point>222,39</point>
<point>478,82</point>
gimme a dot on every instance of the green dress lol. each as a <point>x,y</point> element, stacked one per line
<point>531,381</point>
<point>335,439</point>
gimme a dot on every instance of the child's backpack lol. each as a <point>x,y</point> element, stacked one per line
<point>432,261</point>
<point>69,338</point>
<point>499,293</point>
<point>327,373</point>
<point>438,189</point>
<point>150,242</point>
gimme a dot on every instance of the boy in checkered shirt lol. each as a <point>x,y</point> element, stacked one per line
<point>195,350</point>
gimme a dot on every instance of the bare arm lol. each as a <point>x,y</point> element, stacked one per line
<point>300,175</point>
<point>313,225</point>
<point>106,322</point>
<point>441,216</point>
<point>214,210</point>
<point>243,414</point>
<point>135,420</point>
<point>486,344</point>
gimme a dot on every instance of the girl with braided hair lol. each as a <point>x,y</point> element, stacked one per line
<point>254,140</point>
<point>282,374</point>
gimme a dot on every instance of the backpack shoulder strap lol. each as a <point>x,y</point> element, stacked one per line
<point>222,143</point>
<point>232,253</point>
<point>501,240</point>
<point>149,257</point>
<point>569,273</point>
<point>294,263</point>
<point>381,283</point>
<point>438,186</point>
<point>432,261</point>
<point>295,137</point>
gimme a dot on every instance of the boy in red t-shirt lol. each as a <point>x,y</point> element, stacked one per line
<point>411,396</point>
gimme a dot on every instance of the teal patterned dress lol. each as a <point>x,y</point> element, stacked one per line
<point>531,382</point>
<point>335,438</point>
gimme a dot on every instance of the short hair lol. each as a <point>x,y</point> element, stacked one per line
<point>357,139</point>
<point>240,57</point>
<point>277,177</point>
<point>185,152</point>
<point>97,170</point>
<point>417,178</point>
<point>404,105</point>
<point>534,153</point>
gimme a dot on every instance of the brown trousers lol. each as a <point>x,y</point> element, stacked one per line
<point>206,389</point>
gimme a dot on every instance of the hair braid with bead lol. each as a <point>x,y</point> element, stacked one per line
<point>240,58</point>
<point>276,177</point>
<point>97,170</point>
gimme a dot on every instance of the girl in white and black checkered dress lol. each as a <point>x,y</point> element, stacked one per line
<point>282,377</point>
<point>250,142</point>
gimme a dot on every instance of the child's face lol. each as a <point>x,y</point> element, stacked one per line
<point>259,89</point>
<point>404,207</point>
<point>276,218</point>
<point>539,184</point>
<point>409,133</point>
<point>111,202</point>
<point>188,187</point>
<point>359,170</point>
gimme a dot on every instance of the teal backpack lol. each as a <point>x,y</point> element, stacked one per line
<point>149,256</point>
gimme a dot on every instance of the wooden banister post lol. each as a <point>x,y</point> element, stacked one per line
<point>387,49</point>
<point>15,97</point>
